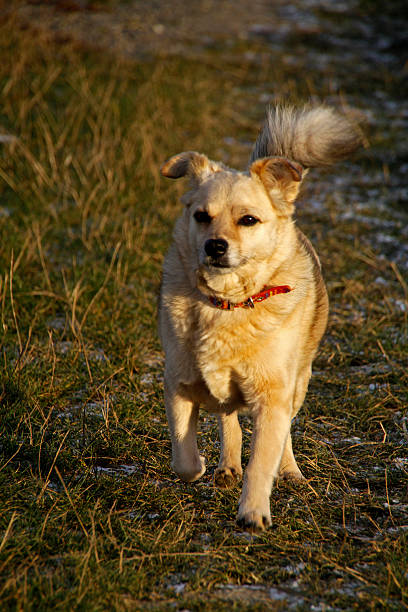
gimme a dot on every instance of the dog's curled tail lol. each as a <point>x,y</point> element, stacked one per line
<point>312,136</point>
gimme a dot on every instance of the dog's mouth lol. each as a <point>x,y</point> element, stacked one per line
<point>221,264</point>
<point>218,264</point>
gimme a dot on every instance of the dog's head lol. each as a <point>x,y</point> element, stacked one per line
<point>234,218</point>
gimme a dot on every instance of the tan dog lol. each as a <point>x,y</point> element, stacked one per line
<point>243,304</point>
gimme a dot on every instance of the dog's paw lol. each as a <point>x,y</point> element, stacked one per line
<point>254,520</point>
<point>294,476</point>
<point>254,511</point>
<point>227,477</point>
<point>190,473</point>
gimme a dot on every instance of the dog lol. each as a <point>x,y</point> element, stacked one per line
<point>243,305</point>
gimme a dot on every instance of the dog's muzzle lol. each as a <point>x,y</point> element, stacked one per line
<point>215,250</point>
<point>216,247</point>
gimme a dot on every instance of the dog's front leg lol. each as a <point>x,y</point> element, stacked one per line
<point>270,431</point>
<point>182,415</point>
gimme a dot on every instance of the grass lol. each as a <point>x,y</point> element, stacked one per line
<point>91,516</point>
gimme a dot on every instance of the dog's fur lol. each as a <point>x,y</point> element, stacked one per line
<point>259,358</point>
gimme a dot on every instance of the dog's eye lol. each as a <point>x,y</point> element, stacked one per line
<point>248,220</point>
<point>202,217</point>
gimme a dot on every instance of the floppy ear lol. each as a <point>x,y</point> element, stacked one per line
<point>281,179</point>
<point>195,165</point>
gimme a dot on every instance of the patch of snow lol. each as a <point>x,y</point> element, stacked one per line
<point>116,471</point>
<point>178,588</point>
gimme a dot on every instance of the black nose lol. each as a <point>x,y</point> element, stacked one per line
<point>216,247</point>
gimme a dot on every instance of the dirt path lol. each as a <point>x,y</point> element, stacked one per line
<point>179,27</point>
<point>135,31</point>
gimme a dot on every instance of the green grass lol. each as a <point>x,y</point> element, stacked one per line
<point>91,516</point>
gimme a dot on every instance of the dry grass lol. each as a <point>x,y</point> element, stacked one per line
<point>91,516</point>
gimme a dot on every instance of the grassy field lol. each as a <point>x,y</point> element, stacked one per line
<point>91,516</point>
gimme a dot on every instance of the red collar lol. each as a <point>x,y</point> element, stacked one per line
<point>251,301</point>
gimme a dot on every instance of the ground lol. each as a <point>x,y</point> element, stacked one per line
<point>95,96</point>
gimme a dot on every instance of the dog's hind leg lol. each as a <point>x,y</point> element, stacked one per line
<point>289,469</point>
<point>229,470</point>
<point>182,415</point>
